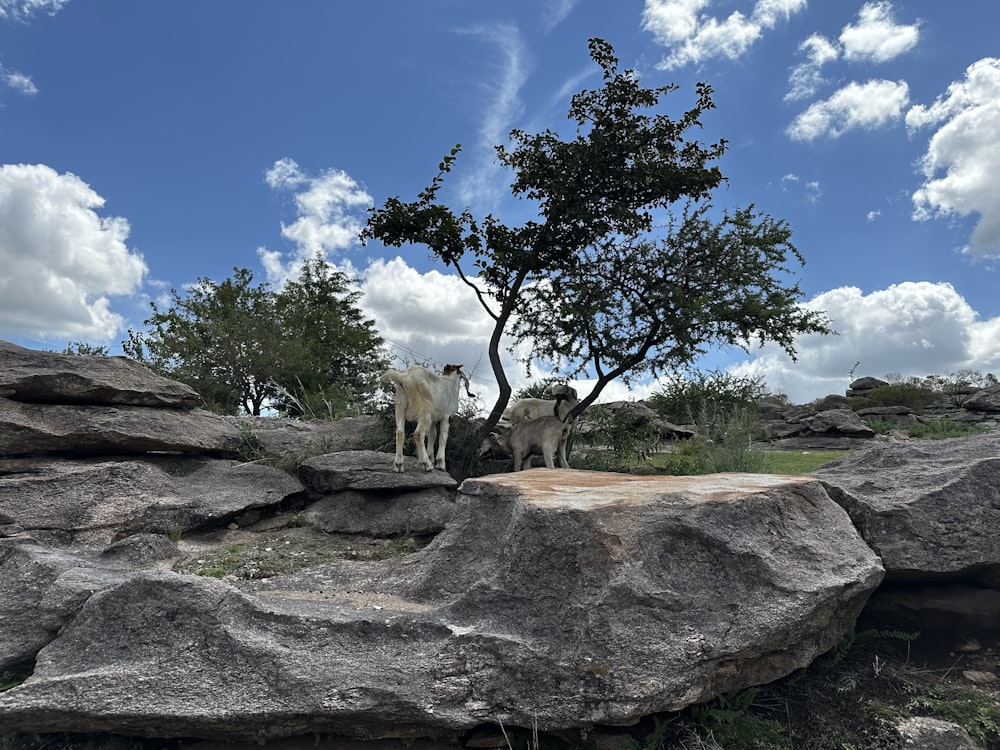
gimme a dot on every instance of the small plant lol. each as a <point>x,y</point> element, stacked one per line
<point>398,547</point>
<point>174,532</point>
<point>250,448</point>
<point>728,722</point>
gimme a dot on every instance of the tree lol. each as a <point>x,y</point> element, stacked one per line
<point>339,355</point>
<point>595,284</point>
<point>243,346</point>
<point>222,339</point>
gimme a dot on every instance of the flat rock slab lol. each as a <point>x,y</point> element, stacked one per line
<point>72,429</point>
<point>553,598</point>
<point>369,470</point>
<point>94,502</point>
<point>51,378</point>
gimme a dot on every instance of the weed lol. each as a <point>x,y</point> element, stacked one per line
<point>174,532</point>
<point>250,448</point>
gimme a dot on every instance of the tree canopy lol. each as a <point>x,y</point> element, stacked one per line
<point>611,279</point>
<point>304,350</point>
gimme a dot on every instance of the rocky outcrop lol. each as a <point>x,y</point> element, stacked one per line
<point>79,405</point>
<point>986,400</point>
<point>790,426</point>
<point>558,598</point>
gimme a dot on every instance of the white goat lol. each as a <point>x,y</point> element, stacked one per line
<point>533,408</point>
<point>542,435</point>
<point>428,399</point>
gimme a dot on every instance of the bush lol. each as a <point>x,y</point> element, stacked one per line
<point>684,400</point>
<point>914,396</point>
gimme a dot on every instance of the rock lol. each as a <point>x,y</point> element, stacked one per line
<point>837,422</point>
<point>94,502</point>
<point>48,378</point>
<point>41,590</point>
<point>382,514</point>
<point>896,415</point>
<point>833,401</point>
<point>142,551</point>
<point>75,430</point>
<point>924,733</point>
<point>862,386</point>
<point>553,598</point>
<point>368,470</point>
<point>986,400</point>
<point>931,505</point>
<point>779,424</point>
<point>278,436</point>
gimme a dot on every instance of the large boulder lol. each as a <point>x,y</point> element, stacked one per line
<point>553,598</point>
<point>986,400</point>
<point>926,506</point>
<point>49,378</point>
<point>94,502</point>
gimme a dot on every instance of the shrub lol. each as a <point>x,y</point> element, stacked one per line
<point>684,399</point>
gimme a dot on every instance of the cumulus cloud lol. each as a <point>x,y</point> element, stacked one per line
<point>330,208</point>
<point>431,318</point>
<point>876,37</point>
<point>912,328</point>
<point>60,262</point>
<point>962,157</point>
<point>694,36</point>
<point>857,105</point>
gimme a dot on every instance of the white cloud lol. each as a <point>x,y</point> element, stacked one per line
<point>868,106</point>
<point>501,105</point>
<point>432,318</point>
<point>18,81</point>
<point>806,78</point>
<point>876,36</point>
<point>912,328</point>
<point>693,36</point>
<point>330,208</point>
<point>963,156</point>
<point>22,10</point>
<point>59,260</point>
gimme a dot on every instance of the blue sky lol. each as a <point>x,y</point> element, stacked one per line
<point>145,145</point>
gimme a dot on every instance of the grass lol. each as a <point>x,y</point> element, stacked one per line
<point>246,560</point>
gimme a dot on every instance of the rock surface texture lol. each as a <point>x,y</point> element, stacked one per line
<point>559,598</point>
